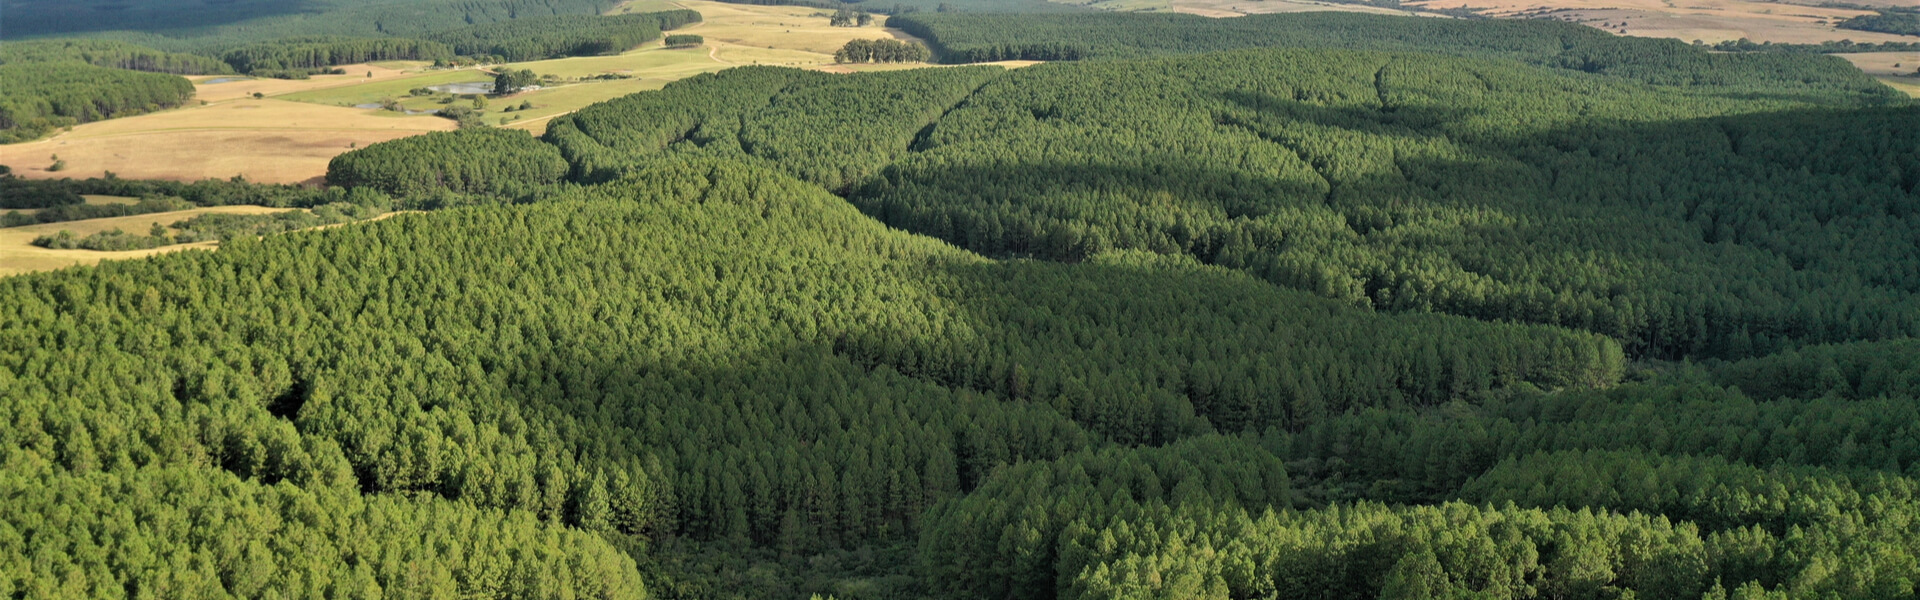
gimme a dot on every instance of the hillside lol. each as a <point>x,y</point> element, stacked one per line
<point>1449,310</point>
<point>1685,221</point>
<point>965,38</point>
<point>631,410</point>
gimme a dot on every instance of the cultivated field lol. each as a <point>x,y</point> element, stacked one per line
<point>1706,20</point>
<point>290,135</point>
<point>19,255</point>
<point>270,140</point>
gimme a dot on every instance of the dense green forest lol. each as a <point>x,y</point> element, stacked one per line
<point>552,37</point>
<point>42,97</point>
<point>306,53</point>
<point>194,25</point>
<point>1529,314</point>
<point>1896,21</point>
<point>1685,221</point>
<point>881,51</point>
<point>107,53</point>
<point>966,38</point>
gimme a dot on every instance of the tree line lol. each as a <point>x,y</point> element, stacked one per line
<point>191,25</point>
<point>1898,21</point>
<point>308,53</point>
<point>881,51</point>
<point>113,54</point>
<point>559,36</point>
<point>968,38</point>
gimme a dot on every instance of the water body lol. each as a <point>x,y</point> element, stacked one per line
<point>473,87</point>
<point>226,80</point>
<point>378,106</point>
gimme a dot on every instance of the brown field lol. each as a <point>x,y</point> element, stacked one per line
<point>774,27</point>
<point>18,255</point>
<point>1899,70</point>
<point>268,140</point>
<point>1706,20</point>
<point>1886,64</point>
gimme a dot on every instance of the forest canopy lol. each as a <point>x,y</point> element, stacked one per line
<point>1451,310</point>
<point>42,97</point>
<point>1401,182</point>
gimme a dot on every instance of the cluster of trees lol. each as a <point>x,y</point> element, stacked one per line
<point>113,54</point>
<point>320,52</point>
<point>78,211</point>
<point>1827,47</point>
<point>573,35</point>
<point>42,97</point>
<point>849,18</point>
<point>112,240</point>
<point>220,227</point>
<point>16,192</point>
<point>684,40</point>
<point>881,51</point>
<point>1900,21</point>
<point>965,38</point>
<point>508,81</point>
<point>479,161</point>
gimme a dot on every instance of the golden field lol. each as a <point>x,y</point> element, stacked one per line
<point>1899,70</point>
<point>270,140</point>
<point>289,136</point>
<point>1687,20</point>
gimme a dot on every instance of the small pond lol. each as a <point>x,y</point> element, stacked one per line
<point>472,87</point>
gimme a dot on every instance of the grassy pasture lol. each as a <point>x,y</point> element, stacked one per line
<point>776,27</point>
<point>356,75</point>
<point>652,61</point>
<point>553,102</point>
<point>366,93</point>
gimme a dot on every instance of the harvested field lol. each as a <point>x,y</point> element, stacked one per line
<point>1707,20</point>
<point>263,140</point>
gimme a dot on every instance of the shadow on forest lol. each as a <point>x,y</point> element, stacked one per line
<point>1771,209</point>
